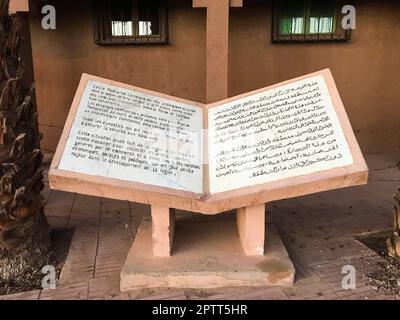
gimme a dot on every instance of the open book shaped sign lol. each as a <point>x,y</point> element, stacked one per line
<point>282,141</point>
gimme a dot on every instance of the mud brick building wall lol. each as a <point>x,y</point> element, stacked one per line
<point>366,69</point>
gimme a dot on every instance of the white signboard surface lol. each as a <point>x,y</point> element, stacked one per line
<point>127,143</point>
<point>129,135</point>
<point>287,131</point>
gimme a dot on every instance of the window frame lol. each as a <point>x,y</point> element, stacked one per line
<point>338,35</point>
<point>103,30</point>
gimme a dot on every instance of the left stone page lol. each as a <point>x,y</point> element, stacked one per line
<point>129,135</point>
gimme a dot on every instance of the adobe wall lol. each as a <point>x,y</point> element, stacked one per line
<point>366,69</point>
<point>62,55</point>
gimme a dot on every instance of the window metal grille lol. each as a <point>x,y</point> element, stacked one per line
<point>308,20</point>
<point>130,22</point>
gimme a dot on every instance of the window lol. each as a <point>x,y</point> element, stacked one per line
<point>308,20</point>
<point>130,21</point>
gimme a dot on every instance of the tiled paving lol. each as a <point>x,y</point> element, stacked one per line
<point>318,231</point>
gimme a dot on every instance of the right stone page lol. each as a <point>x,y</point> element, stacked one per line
<point>279,133</point>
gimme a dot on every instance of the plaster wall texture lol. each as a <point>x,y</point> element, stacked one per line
<point>365,69</point>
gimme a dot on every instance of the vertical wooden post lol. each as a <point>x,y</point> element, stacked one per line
<point>251,227</point>
<point>163,230</point>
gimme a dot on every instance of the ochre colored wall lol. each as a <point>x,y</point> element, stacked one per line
<point>62,55</point>
<point>366,69</point>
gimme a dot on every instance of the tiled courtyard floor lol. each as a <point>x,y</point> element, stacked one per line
<point>318,230</point>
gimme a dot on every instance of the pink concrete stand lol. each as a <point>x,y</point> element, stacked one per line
<point>207,252</point>
<point>250,224</point>
<point>163,230</point>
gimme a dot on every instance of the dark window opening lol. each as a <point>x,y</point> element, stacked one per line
<point>130,21</point>
<point>308,20</point>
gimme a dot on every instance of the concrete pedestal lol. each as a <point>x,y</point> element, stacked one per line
<point>207,253</point>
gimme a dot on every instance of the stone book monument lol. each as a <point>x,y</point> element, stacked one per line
<point>278,142</point>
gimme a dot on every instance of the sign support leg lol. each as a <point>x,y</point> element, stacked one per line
<point>251,227</point>
<point>163,230</point>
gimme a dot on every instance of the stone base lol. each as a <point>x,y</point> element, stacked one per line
<point>207,254</point>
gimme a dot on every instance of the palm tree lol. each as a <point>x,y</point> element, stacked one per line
<point>393,242</point>
<point>24,232</point>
